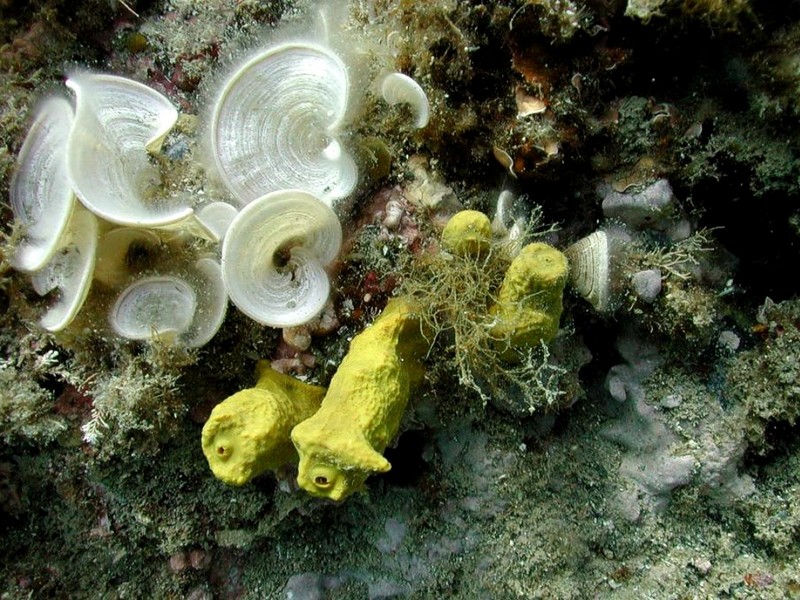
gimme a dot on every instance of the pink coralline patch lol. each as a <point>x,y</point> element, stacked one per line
<point>398,220</point>
<point>390,209</point>
<point>160,82</point>
<point>290,360</point>
<point>297,365</point>
<point>196,560</point>
<point>758,579</point>
<point>372,284</point>
<point>180,74</point>
<point>176,77</point>
<point>73,402</point>
<point>375,208</point>
<point>292,354</point>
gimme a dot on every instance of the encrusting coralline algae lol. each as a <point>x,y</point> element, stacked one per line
<point>641,444</point>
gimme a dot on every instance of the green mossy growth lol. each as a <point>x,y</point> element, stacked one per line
<point>725,12</point>
<point>766,379</point>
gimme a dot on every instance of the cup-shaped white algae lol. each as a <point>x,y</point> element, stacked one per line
<point>215,218</point>
<point>119,251</point>
<point>118,124</point>
<point>212,303</point>
<point>41,197</point>
<point>274,257</point>
<point>161,306</point>
<point>397,88</point>
<point>275,124</point>
<point>69,271</point>
<point>182,309</point>
<point>209,222</point>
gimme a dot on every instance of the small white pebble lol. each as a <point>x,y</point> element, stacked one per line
<point>671,401</point>
<point>393,213</point>
<point>729,341</point>
<point>647,284</point>
<point>703,565</point>
<point>297,337</point>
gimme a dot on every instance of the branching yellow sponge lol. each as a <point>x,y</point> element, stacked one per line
<point>529,302</point>
<point>248,432</point>
<point>343,443</point>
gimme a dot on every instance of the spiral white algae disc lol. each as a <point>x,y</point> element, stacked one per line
<point>154,306</point>
<point>118,122</point>
<point>215,218</point>
<point>212,303</point>
<point>274,125</point>
<point>69,271</point>
<point>187,309</point>
<point>274,257</point>
<point>398,88</point>
<point>41,197</point>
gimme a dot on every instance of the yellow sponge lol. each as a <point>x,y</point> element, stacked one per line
<point>248,432</point>
<point>529,302</point>
<point>343,443</point>
<point>467,233</point>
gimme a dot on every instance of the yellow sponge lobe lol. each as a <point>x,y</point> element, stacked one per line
<point>248,432</point>
<point>467,233</point>
<point>343,443</point>
<point>529,302</point>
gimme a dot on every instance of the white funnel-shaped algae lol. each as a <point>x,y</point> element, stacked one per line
<point>40,194</point>
<point>398,88</point>
<point>118,123</point>
<point>119,252</point>
<point>274,257</point>
<point>159,306</point>
<point>275,124</point>
<point>69,272</point>
<point>215,218</point>
<point>212,303</point>
<point>186,309</point>
<point>209,222</point>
